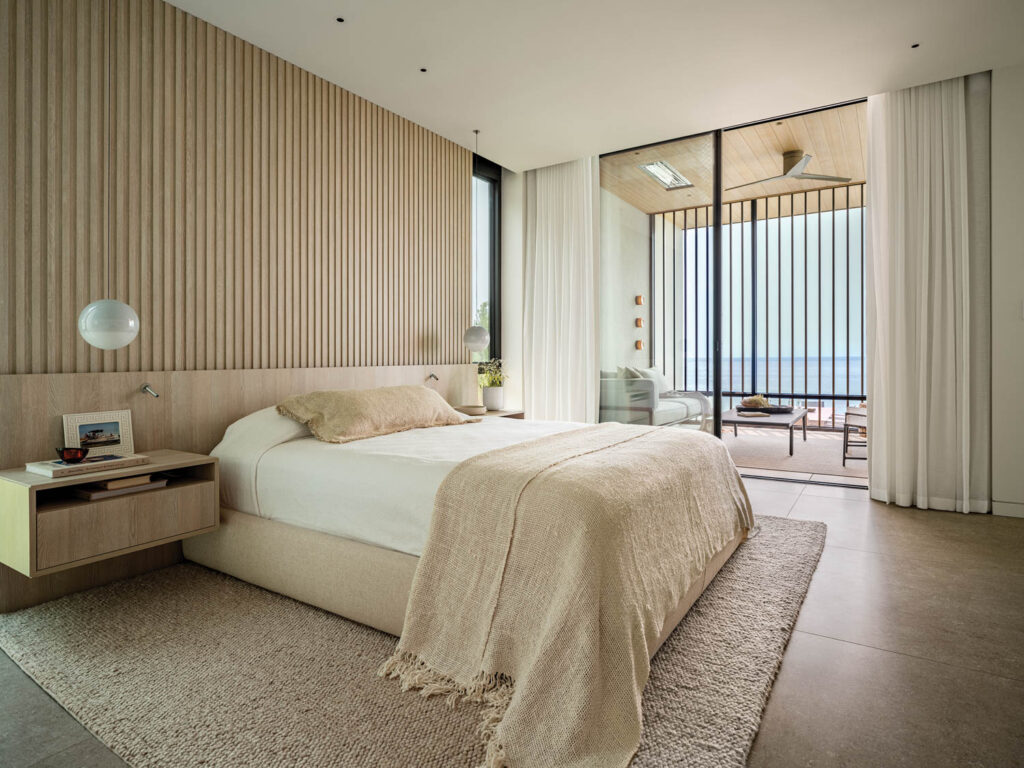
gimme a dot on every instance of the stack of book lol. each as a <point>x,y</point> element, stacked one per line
<point>60,468</point>
<point>105,489</point>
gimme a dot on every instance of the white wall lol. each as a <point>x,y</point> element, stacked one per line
<point>1008,290</point>
<point>512,190</point>
<point>625,274</point>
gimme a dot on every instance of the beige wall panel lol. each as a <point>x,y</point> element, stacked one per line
<point>194,407</point>
<point>260,217</point>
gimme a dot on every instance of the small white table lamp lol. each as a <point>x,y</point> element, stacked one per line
<point>476,338</point>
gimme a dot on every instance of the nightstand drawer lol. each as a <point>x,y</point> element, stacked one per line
<point>81,530</point>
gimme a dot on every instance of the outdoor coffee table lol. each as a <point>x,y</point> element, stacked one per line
<point>775,420</point>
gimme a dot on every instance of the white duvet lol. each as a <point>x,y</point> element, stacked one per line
<point>379,491</point>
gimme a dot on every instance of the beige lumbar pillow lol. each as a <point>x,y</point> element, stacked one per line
<point>340,416</point>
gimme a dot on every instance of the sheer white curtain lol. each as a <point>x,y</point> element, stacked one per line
<point>560,376</point>
<point>929,296</point>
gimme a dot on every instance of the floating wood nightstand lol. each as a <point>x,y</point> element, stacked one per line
<point>45,527</point>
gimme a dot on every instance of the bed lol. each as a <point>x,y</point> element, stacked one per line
<point>344,527</point>
<point>338,526</point>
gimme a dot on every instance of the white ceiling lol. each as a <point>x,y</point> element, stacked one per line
<point>547,81</point>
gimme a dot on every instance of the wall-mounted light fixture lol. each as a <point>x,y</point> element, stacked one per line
<point>639,322</point>
<point>639,344</point>
<point>108,323</point>
<point>476,338</point>
<point>149,390</point>
<point>639,300</point>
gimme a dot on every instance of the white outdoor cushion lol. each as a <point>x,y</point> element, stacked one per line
<point>660,382</point>
<point>669,410</point>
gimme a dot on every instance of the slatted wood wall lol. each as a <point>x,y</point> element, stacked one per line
<point>261,217</point>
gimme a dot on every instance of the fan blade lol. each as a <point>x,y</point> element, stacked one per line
<point>752,183</point>
<point>819,177</point>
<point>797,169</point>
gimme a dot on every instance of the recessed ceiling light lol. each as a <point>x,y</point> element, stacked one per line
<point>665,175</point>
<point>340,20</point>
<point>916,45</point>
<point>423,69</point>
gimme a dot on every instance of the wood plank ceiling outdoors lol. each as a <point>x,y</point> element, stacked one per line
<point>835,138</point>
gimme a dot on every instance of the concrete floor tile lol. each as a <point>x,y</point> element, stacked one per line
<point>32,725</point>
<point>774,486</point>
<point>837,704</point>
<point>88,753</point>
<point>836,492</point>
<point>960,540</point>
<point>972,617</point>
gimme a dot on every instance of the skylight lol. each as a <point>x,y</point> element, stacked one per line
<point>666,175</point>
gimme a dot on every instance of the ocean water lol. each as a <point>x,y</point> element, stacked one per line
<point>787,374</point>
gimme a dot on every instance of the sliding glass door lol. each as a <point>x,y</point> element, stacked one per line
<point>732,265</point>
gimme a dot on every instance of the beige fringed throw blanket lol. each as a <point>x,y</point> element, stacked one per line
<point>550,568</point>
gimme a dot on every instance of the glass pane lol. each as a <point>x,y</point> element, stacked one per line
<point>657,248</point>
<point>793,262</point>
<point>484,191</point>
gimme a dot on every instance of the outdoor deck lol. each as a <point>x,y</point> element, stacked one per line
<point>765,452</point>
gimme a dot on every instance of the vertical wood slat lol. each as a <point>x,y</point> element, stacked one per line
<point>260,216</point>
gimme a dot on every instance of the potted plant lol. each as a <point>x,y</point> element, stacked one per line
<point>492,380</point>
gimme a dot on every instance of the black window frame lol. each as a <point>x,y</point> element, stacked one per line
<point>485,169</point>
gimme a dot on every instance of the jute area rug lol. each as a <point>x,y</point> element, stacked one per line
<point>822,454</point>
<point>187,667</point>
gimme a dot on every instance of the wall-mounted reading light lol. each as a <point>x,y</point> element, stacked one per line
<point>149,390</point>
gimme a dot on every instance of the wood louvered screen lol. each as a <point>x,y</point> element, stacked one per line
<point>261,217</point>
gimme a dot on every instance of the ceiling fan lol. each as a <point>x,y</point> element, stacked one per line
<point>793,164</point>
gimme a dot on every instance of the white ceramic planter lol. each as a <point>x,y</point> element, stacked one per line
<point>494,398</point>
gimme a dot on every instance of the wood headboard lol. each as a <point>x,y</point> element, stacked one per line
<point>194,407</point>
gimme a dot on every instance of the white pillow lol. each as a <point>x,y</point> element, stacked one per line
<point>241,449</point>
<point>660,382</point>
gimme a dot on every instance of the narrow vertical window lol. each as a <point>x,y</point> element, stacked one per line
<point>487,253</point>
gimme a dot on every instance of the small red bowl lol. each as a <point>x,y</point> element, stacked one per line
<point>72,455</point>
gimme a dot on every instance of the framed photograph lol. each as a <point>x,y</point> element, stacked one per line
<point>105,432</point>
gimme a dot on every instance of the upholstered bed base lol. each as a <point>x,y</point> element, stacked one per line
<point>359,581</point>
